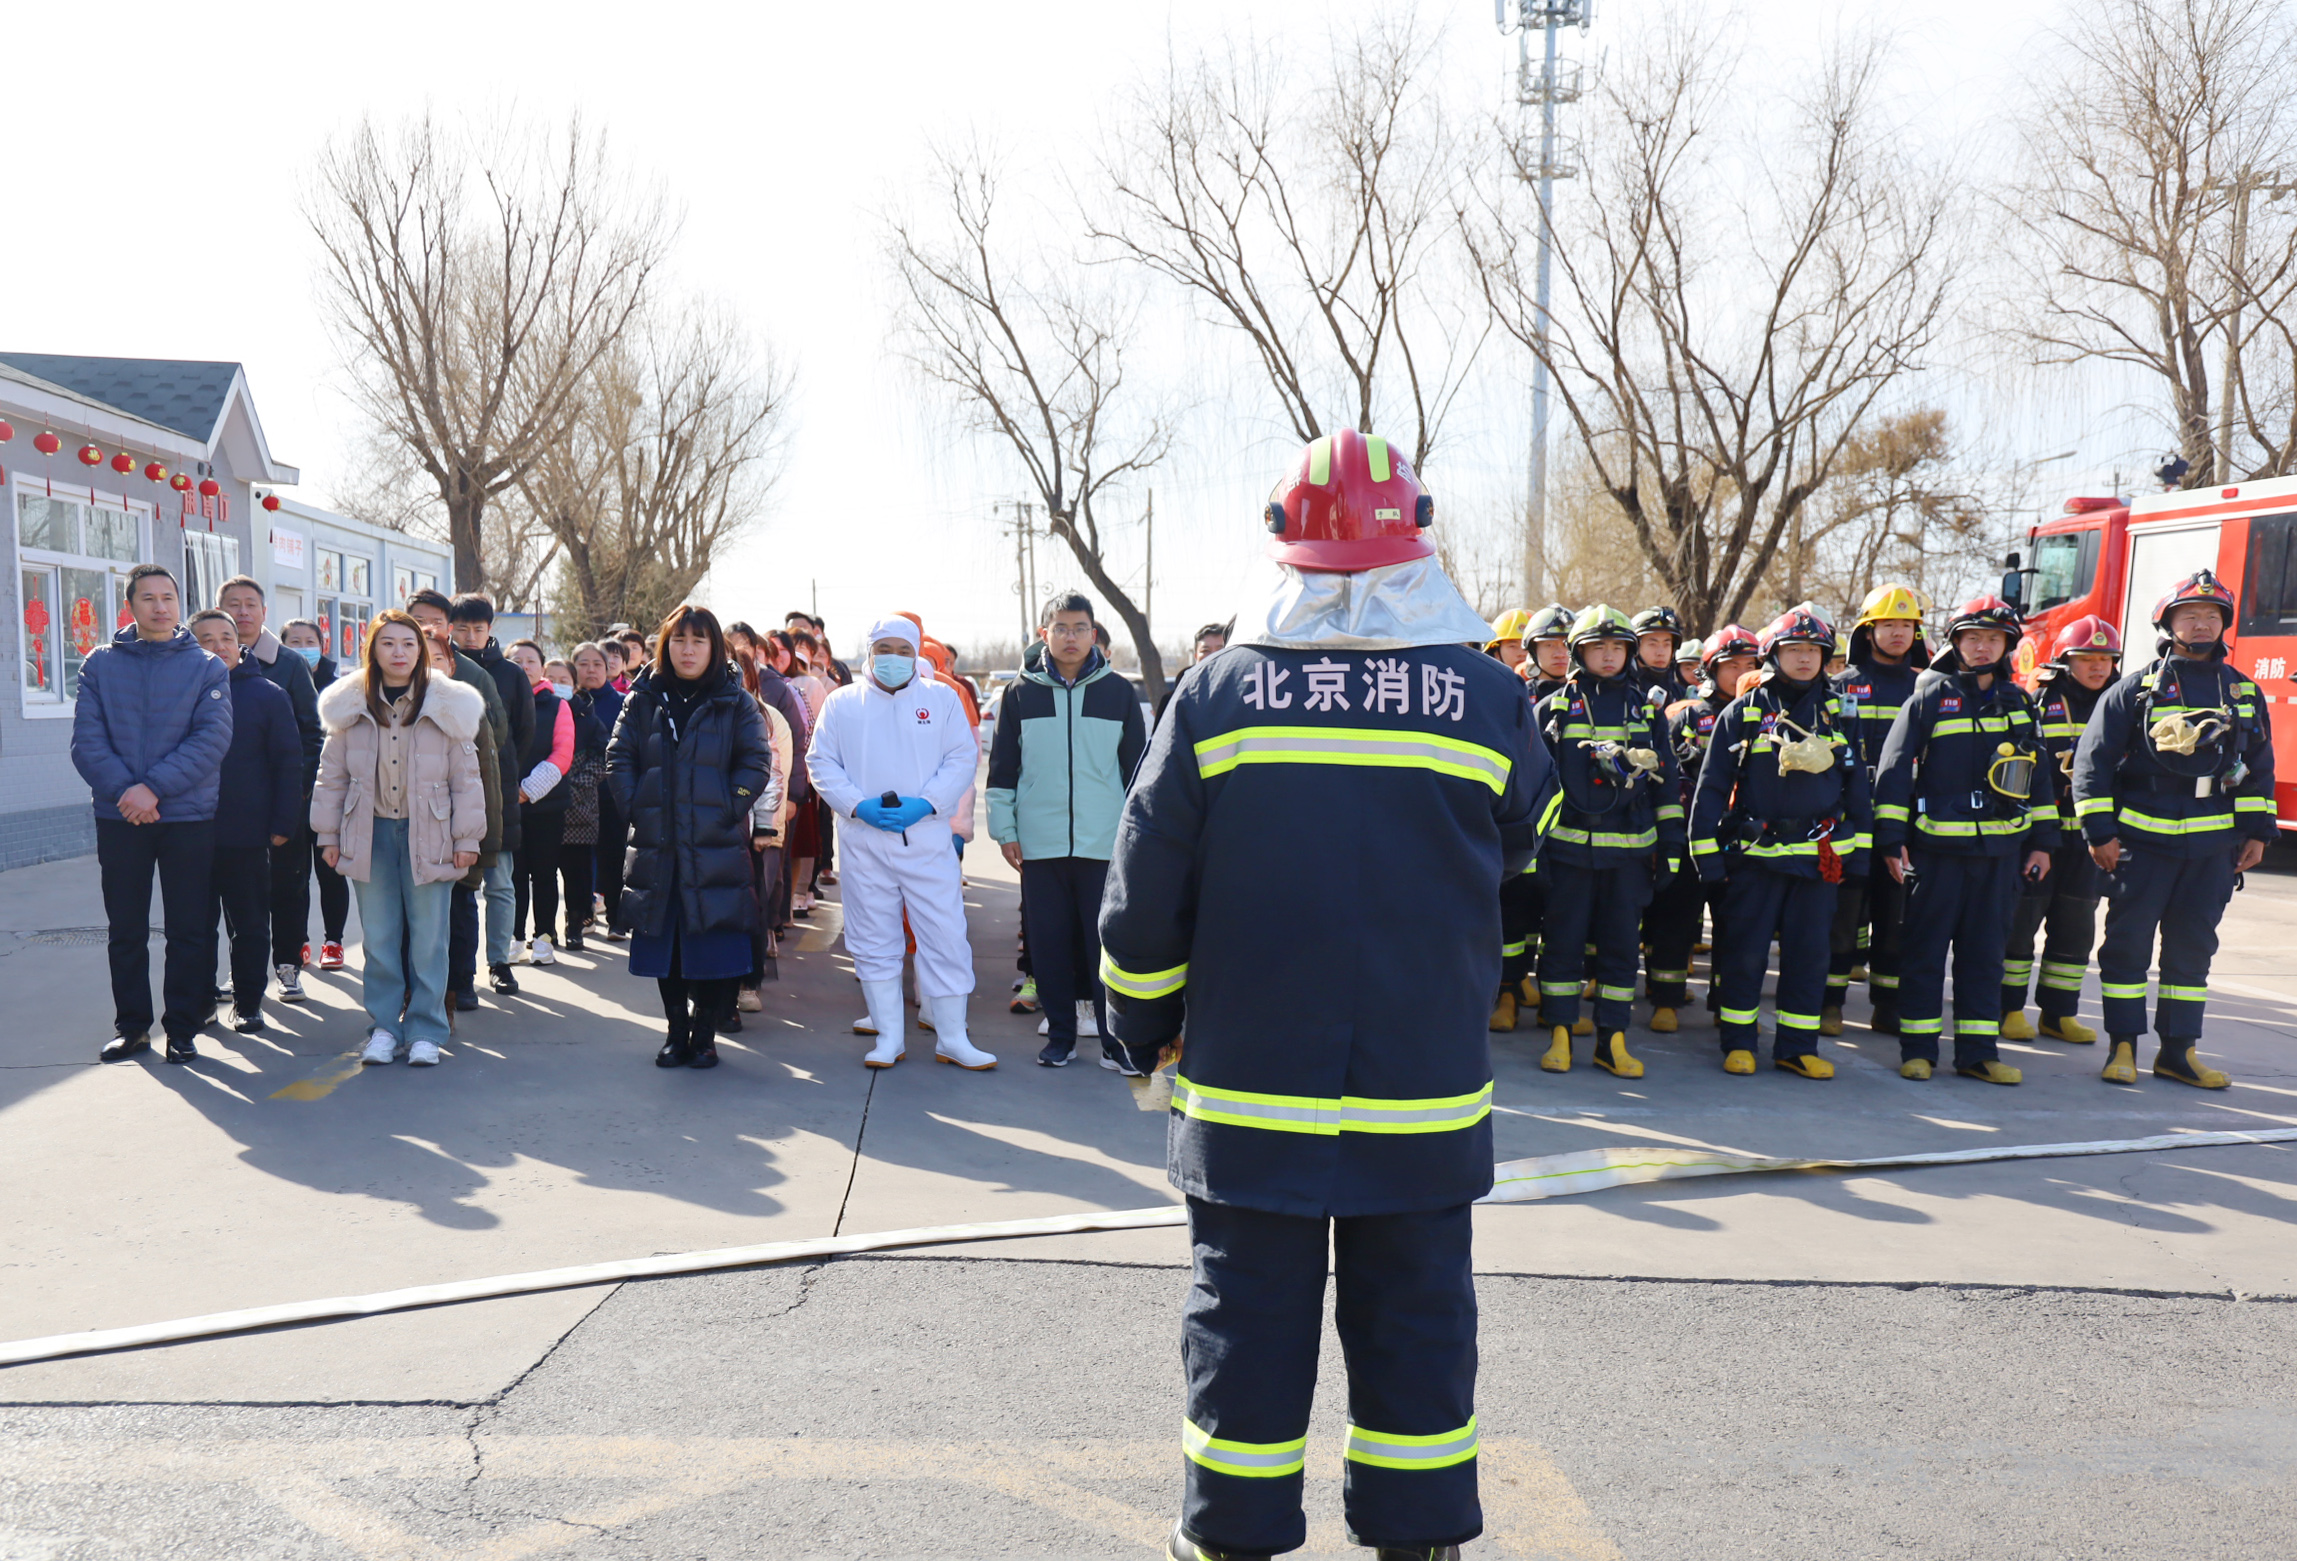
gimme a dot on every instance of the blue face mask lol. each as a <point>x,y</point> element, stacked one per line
<point>893,671</point>
<point>309,653</point>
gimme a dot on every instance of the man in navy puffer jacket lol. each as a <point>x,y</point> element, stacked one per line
<point>261,804</point>
<point>149,731</point>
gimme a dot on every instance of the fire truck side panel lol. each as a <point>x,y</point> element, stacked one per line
<point>2258,559</point>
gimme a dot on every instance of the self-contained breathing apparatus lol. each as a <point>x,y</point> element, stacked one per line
<point>1806,752</point>
<point>2205,753</point>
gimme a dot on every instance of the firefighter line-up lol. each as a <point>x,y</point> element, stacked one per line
<point>1879,820</point>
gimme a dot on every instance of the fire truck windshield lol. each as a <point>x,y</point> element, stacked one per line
<point>2065,567</point>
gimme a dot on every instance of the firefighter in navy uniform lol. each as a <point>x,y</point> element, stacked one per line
<point>1886,655</point>
<point>1962,805</point>
<point>1522,899</point>
<point>2173,783</point>
<point>1618,832</point>
<point>1671,925</point>
<point>1519,896</point>
<point>1547,647</point>
<point>1658,635</point>
<point>1782,810</point>
<point>2084,659</point>
<point>1333,1097</point>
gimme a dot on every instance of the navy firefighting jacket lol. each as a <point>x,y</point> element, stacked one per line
<point>1930,786</point>
<point>1690,727</point>
<point>1336,1061</point>
<point>1746,813</point>
<point>1879,691</point>
<point>2126,786</point>
<point>1605,821</point>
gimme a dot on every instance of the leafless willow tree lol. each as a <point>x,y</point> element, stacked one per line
<point>2157,127</point>
<point>474,279</point>
<point>1743,285</point>
<point>1032,358</point>
<point>674,454</point>
<point>1305,203</point>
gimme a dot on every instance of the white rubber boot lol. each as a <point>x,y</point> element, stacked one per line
<point>885,1013</point>
<point>949,1040</point>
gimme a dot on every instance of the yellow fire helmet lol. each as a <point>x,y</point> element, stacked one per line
<point>1885,603</point>
<point>1510,626</point>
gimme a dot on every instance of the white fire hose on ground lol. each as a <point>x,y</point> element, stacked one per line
<point>1515,1181</point>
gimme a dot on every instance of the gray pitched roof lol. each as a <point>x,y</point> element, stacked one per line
<point>186,396</point>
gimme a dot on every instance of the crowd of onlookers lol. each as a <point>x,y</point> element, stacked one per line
<point>648,788</point>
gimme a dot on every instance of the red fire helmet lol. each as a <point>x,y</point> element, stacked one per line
<point>1988,612</point>
<point>1352,504</point>
<point>2090,636</point>
<point>2201,586</point>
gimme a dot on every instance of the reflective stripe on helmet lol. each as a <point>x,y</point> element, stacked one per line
<point>1320,461</point>
<point>1325,1117</point>
<point>1352,745</point>
<point>1376,454</point>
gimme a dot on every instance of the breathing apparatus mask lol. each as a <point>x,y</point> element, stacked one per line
<point>2175,733</point>
<point>1626,765</point>
<point>2010,777</point>
<point>1807,754</point>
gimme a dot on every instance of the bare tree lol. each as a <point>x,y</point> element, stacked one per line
<point>473,282</point>
<point>674,455</point>
<point>1739,298</point>
<point>2155,127</point>
<point>1308,210</point>
<point>1034,361</point>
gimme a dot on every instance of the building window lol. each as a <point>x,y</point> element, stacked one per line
<point>208,561</point>
<point>72,581</point>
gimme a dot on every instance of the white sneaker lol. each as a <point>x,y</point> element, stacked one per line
<point>517,951</point>
<point>423,1054</point>
<point>746,1001</point>
<point>541,953</point>
<point>1044,1027</point>
<point>1088,1028</point>
<point>290,982</point>
<point>381,1046</point>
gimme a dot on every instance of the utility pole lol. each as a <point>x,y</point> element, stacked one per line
<point>2246,183</point>
<point>1148,591</point>
<point>1546,88</point>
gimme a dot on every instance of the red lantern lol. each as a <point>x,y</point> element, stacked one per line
<point>209,487</point>
<point>91,456</point>
<point>7,430</point>
<point>123,463</point>
<point>271,502</point>
<point>180,482</point>
<point>47,443</point>
<point>156,472</point>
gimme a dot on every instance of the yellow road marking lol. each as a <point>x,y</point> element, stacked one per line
<point>321,1083</point>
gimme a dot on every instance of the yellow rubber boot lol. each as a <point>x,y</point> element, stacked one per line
<point>1830,1019</point>
<point>1611,1056</point>
<point>2069,1029</point>
<point>1662,1021</point>
<point>1587,992</point>
<point>1738,1062</point>
<point>1557,1058</point>
<point>1808,1066</point>
<point>1583,1025</point>
<point>2121,1062</point>
<point>1914,1068</point>
<point>2017,1027</point>
<point>1993,1073</point>
<point>2176,1061</point>
<point>1527,993</point>
<point>1857,974</point>
<point>1503,1013</point>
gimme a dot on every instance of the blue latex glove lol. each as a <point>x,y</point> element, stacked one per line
<point>876,813</point>
<point>912,810</point>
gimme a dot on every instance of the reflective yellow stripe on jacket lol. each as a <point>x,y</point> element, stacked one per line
<point>1348,1114</point>
<point>1155,983</point>
<point>1387,749</point>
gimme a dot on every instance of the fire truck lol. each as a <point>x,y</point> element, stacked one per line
<point>2116,558</point>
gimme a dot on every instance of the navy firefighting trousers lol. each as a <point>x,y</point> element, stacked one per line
<point>1520,899</point>
<point>1800,910</point>
<point>1965,902</point>
<point>1406,1313</point>
<point>1598,905</point>
<point>2183,896</point>
<point>1868,919</point>
<point>2063,908</point>
<point>1671,930</point>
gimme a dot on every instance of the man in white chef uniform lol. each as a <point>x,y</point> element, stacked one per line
<point>894,756</point>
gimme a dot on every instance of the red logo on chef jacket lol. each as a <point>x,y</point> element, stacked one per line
<point>924,716</point>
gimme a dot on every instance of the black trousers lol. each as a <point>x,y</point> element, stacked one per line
<point>613,841</point>
<point>1061,904</point>
<point>1962,903</point>
<point>767,867</point>
<point>183,855</point>
<point>463,939</point>
<point>2181,899</point>
<point>534,873</point>
<point>2066,903</point>
<point>1598,905</point>
<point>334,899</point>
<point>1757,904</point>
<point>1869,920</point>
<point>291,897</point>
<point>1520,904</point>
<point>241,886</point>
<point>1670,930</point>
<point>1249,1333</point>
<point>574,868</point>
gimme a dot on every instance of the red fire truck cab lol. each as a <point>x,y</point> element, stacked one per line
<point>2116,559</point>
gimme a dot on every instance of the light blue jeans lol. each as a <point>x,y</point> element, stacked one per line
<point>501,901</point>
<point>403,930</point>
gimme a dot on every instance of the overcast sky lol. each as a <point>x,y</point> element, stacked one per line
<point>171,147</point>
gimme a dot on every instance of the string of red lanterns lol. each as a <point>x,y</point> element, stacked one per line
<point>48,443</point>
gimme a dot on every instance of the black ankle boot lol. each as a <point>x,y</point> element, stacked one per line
<point>675,1052</point>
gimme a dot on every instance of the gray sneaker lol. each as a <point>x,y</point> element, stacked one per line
<point>290,982</point>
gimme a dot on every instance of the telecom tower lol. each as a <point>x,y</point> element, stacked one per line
<point>1545,84</point>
